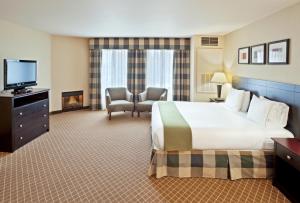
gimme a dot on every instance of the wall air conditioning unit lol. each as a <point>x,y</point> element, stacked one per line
<point>212,42</point>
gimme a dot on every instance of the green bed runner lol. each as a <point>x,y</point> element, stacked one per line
<point>177,132</point>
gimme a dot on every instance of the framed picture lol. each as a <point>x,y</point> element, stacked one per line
<point>244,57</point>
<point>279,52</point>
<point>258,54</point>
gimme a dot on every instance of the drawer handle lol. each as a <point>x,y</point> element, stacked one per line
<point>45,105</point>
<point>21,113</point>
<point>288,157</point>
<point>21,125</point>
<point>45,126</point>
<point>45,115</point>
<point>21,138</point>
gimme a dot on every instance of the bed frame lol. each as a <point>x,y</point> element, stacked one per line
<point>282,92</point>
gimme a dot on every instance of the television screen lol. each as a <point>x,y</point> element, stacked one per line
<point>19,73</point>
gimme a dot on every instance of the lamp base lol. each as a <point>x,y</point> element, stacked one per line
<point>219,90</point>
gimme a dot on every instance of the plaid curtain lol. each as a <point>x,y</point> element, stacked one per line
<point>136,64</point>
<point>94,82</point>
<point>136,71</point>
<point>140,43</point>
<point>181,75</point>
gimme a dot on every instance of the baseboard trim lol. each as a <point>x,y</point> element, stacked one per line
<point>61,111</point>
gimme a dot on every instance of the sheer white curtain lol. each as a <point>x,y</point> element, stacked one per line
<point>159,70</point>
<point>113,70</point>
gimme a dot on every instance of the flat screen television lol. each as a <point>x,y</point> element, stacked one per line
<point>19,74</point>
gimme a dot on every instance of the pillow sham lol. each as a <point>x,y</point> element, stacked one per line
<point>258,110</point>
<point>278,115</point>
<point>234,99</point>
<point>246,101</point>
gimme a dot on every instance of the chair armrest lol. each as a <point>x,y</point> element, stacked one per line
<point>129,96</point>
<point>107,98</point>
<point>142,96</point>
<point>164,96</point>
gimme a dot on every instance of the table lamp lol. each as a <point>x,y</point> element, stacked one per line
<point>220,79</point>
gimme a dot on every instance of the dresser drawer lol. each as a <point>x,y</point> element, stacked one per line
<point>28,110</point>
<point>29,132</point>
<point>288,156</point>
<point>33,119</point>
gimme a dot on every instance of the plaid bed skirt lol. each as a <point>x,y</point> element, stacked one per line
<point>229,164</point>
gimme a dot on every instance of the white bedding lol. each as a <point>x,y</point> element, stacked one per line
<point>216,127</point>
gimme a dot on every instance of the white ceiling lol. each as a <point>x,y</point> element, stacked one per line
<point>138,18</point>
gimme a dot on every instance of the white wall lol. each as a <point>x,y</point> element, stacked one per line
<point>70,62</point>
<point>281,25</point>
<point>62,61</point>
<point>18,42</point>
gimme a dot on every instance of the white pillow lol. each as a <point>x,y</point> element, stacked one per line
<point>278,115</point>
<point>246,101</point>
<point>259,110</point>
<point>234,99</point>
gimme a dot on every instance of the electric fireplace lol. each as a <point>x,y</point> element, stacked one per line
<point>72,100</point>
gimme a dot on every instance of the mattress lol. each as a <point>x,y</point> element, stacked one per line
<point>216,127</point>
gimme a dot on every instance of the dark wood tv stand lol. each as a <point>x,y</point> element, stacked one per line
<point>23,117</point>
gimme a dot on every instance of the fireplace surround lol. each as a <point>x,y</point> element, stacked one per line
<point>72,100</point>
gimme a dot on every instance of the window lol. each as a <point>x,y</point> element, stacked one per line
<point>113,70</point>
<point>159,70</point>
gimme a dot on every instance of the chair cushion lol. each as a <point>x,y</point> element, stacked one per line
<point>121,102</point>
<point>154,93</point>
<point>120,105</point>
<point>145,105</point>
<point>117,93</point>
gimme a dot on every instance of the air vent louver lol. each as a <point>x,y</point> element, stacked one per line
<point>210,41</point>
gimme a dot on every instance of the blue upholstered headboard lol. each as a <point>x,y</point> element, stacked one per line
<point>277,91</point>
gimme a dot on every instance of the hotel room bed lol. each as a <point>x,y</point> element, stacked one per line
<point>215,127</point>
<point>225,144</point>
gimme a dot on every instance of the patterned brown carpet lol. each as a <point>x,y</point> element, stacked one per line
<point>85,157</point>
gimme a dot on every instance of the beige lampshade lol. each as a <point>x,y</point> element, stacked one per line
<point>219,77</point>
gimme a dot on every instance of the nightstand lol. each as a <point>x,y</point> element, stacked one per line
<point>287,167</point>
<point>217,100</point>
